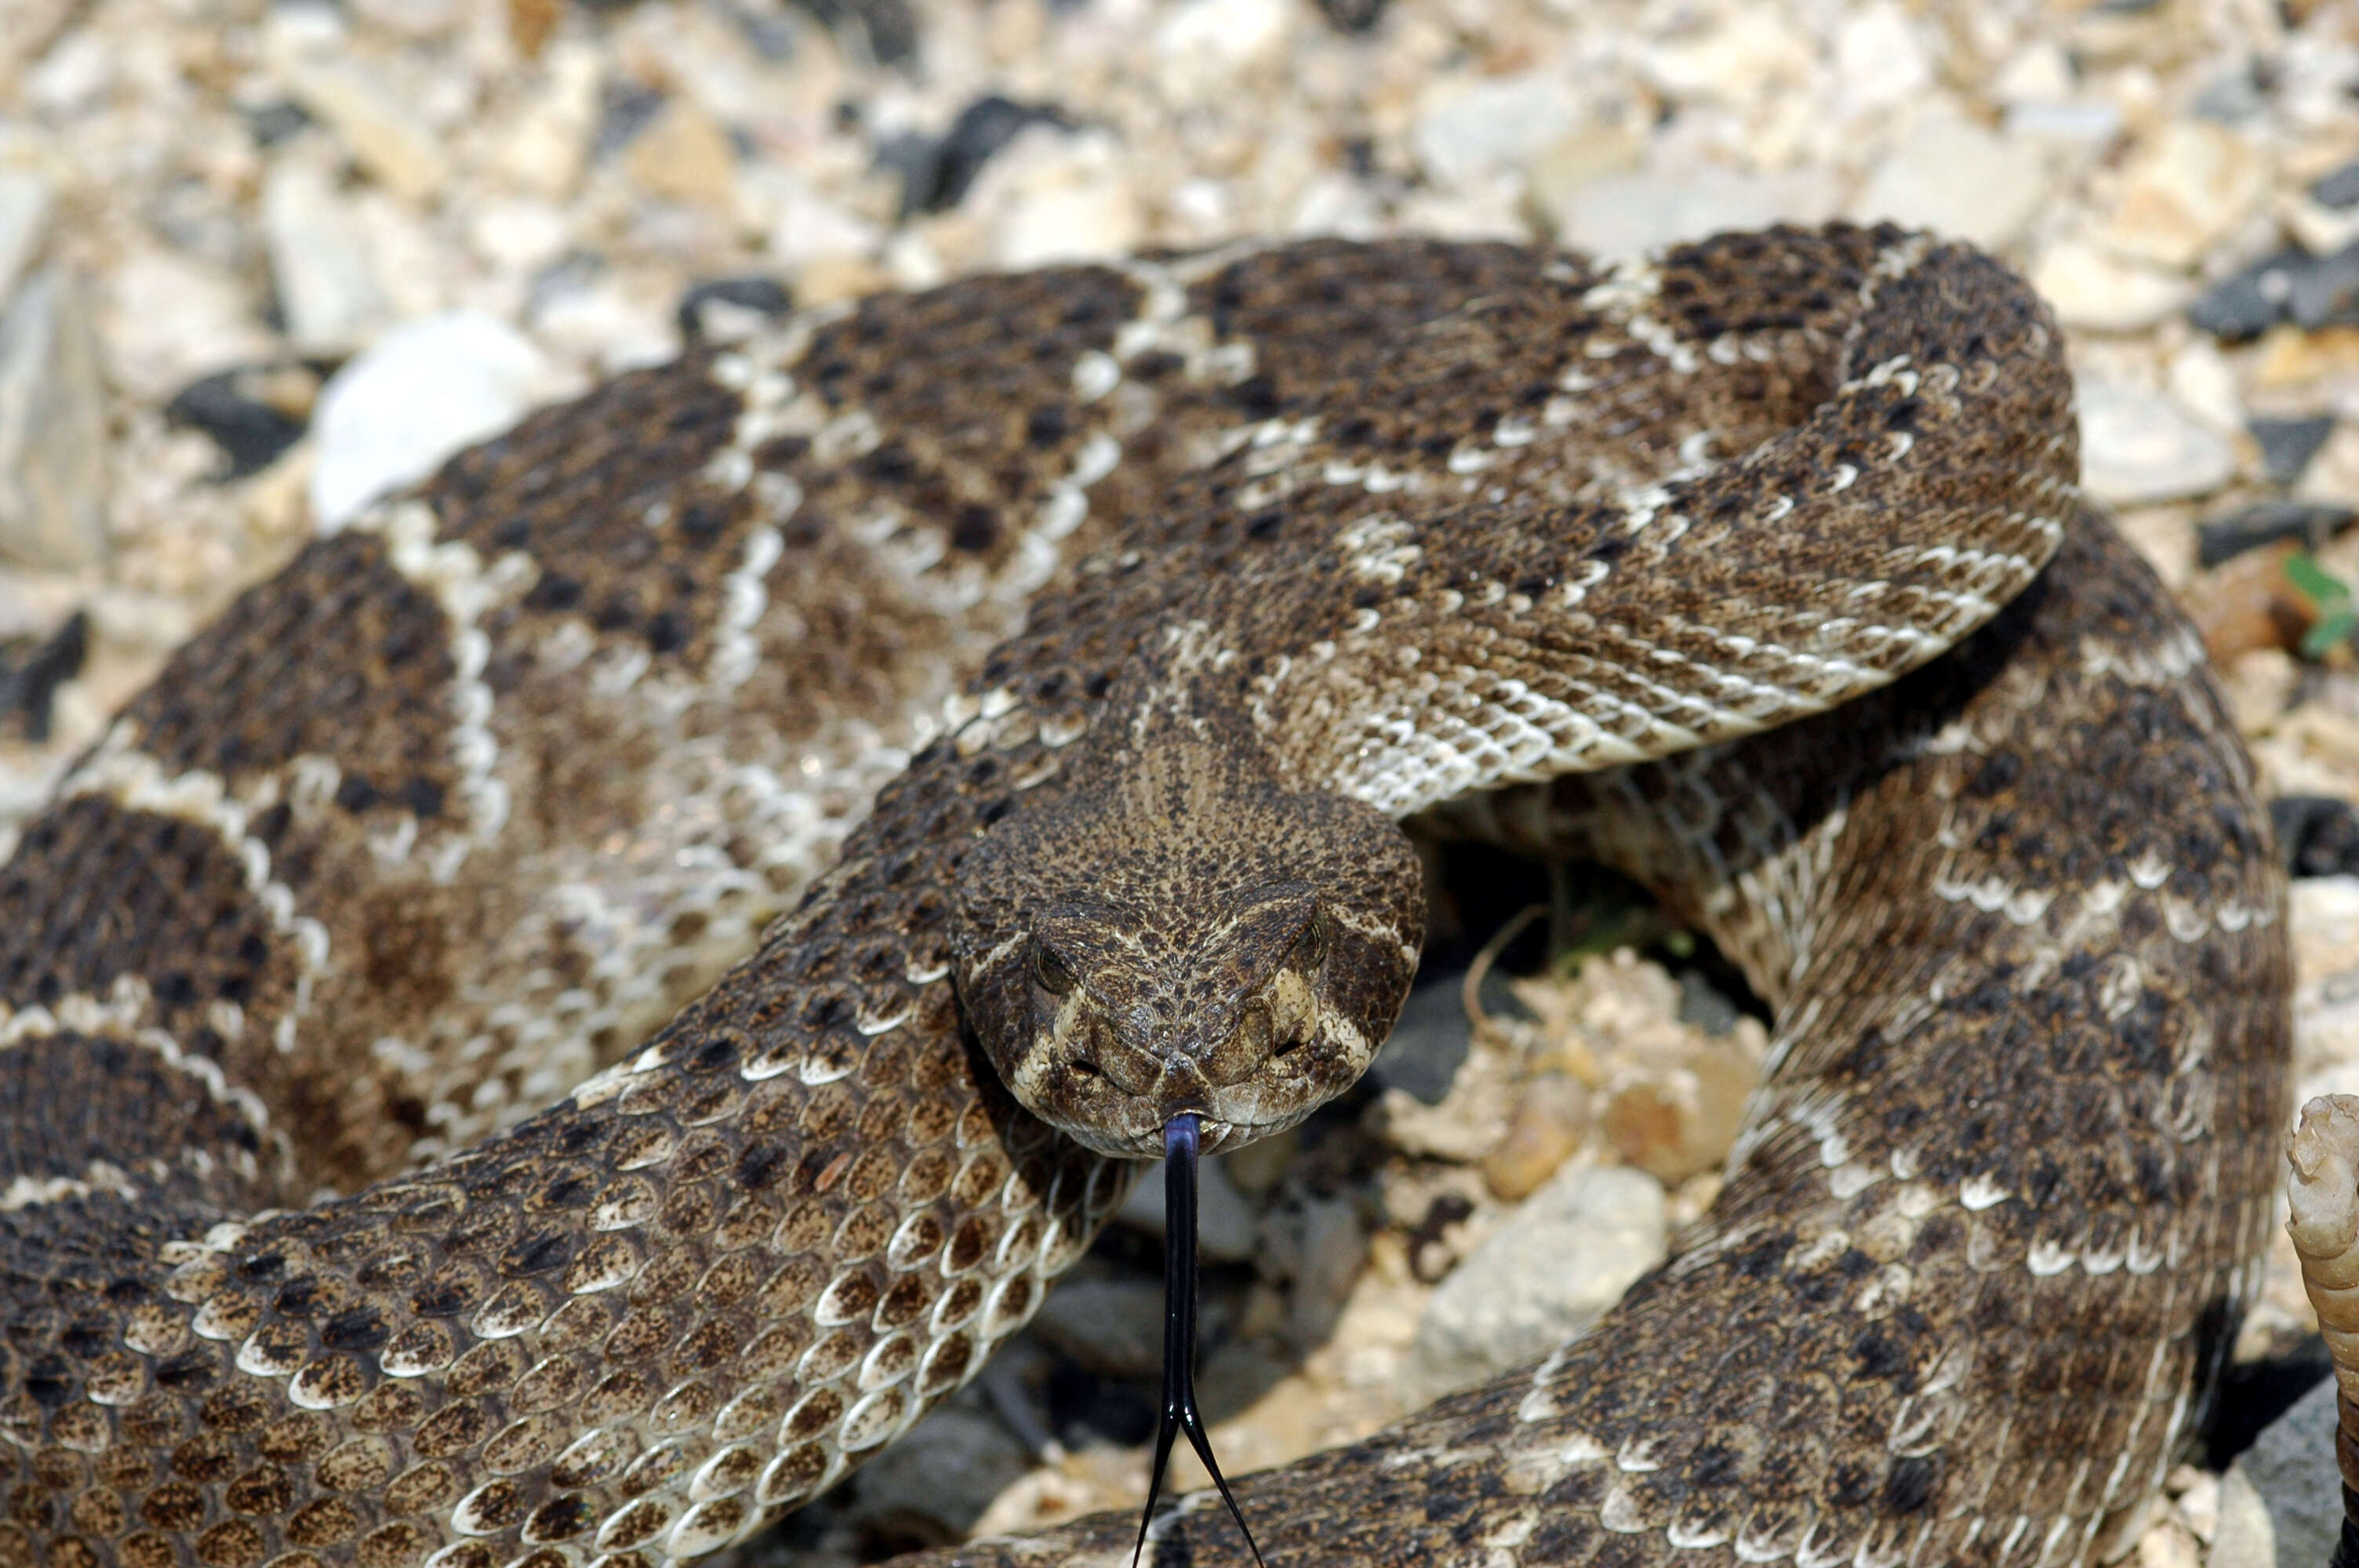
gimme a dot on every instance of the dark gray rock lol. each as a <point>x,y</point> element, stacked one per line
<point>1429,1041</point>
<point>2318,835</point>
<point>763,296</point>
<point>936,172</point>
<point>31,670</point>
<point>2339,189</point>
<point>2248,302</point>
<point>2288,445</point>
<point>233,408</point>
<point>2291,1464</point>
<point>2248,528</point>
<point>2233,97</point>
<point>2324,292</point>
<point>1352,16</point>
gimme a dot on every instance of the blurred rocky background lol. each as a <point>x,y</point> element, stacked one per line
<point>259,262</point>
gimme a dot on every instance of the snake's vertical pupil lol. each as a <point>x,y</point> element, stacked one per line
<point>1181,1141</point>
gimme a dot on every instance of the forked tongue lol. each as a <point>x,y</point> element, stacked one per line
<point>1179,1413</point>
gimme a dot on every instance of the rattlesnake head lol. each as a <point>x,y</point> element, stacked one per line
<point>1183,934</point>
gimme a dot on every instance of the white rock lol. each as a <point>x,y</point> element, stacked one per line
<point>2204,381</point>
<point>2243,1537</point>
<point>1053,196</point>
<point>1228,1229</point>
<point>1551,1269</point>
<point>2139,447</point>
<point>549,142</point>
<point>411,19</point>
<point>2039,72</point>
<point>77,70</point>
<point>296,31</point>
<point>2086,123</point>
<point>167,317</point>
<point>2318,228</point>
<point>1617,213</point>
<point>381,132</point>
<point>1950,175</point>
<point>1465,129</point>
<point>803,225</point>
<point>2101,293</point>
<point>1750,53</point>
<point>26,198</point>
<point>604,323</point>
<point>2185,190</point>
<point>518,233</point>
<point>1203,45</point>
<point>320,260</point>
<point>420,394</point>
<point>1881,58</point>
<point>52,428</point>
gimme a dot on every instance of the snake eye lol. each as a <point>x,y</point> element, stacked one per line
<point>1054,975</point>
<point>1310,947</point>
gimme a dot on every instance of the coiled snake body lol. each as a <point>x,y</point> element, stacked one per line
<point>456,812</point>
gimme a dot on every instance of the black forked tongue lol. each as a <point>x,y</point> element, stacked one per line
<point>1179,1413</point>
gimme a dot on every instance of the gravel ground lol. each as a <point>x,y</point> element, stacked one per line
<point>237,240</point>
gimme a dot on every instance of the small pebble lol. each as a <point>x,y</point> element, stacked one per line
<point>2288,445</point>
<point>1683,1120</point>
<point>1466,129</point>
<point>2249,301</point>
<point>684,154</point>
<point>2186,188</point>
<point>2244,1536</point>
<point>381,130</point>
<point>929,1486</point>
<point>1551,1118</point>
<point>31,670</point>
<point>2318,835</point>
<point>1617,213</point>
<point>2292,1467</point>
<point>321,262</point>
<point>2325,292</point>
<point>1951,174</point>
<point>2266,523</point>
<point>1112,1328</point>
<point>2139,447</point>
<point>53,480</point>
<point>2338,190</point>
<point>251,414</point>
<point>420,394</point>
<point>2092,289</point>
<point>2249,609</point>
<point>936,171</point>
<point>2233,97</point>
<point>723,308</point>
<point>1352,16</point>
<point>25,199</point>
<point>1228,1228</point>
<point>1054,199</point>
<point>1554,1267</point>
<point>1428,1045</point>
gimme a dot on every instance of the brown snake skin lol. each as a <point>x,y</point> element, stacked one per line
<point>456,811</point>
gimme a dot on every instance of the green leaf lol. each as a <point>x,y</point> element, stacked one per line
<point>2329,630</point>
<point>2323,587</point>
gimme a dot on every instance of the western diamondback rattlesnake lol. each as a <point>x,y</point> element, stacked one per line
<point>464,804</point>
